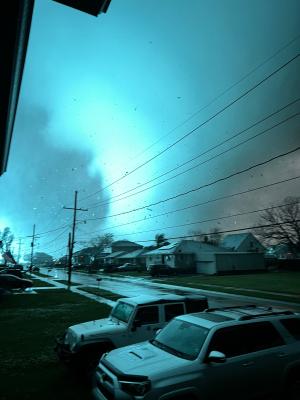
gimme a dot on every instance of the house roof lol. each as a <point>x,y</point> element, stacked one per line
<point>90,251</point>
<point>235,240</point>
<point>168,249</point>
<point>133,254</point>
<point>173,247</point>
<point>125,243</point>
<point>115,254</point>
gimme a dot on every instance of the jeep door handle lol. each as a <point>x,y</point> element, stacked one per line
<point>248,364</point>
<point>282,355</point>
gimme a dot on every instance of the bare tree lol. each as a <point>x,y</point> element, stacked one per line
<point>102,241</point>
<point>284,224</point>
<point>213,237</point>
<point>6,238</point>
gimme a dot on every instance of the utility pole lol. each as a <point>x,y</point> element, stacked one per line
<point>72,239</point>
<point>69,258</point>
<point>19,250</point>
<point>32,246</point>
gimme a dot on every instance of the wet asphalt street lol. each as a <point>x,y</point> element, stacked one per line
<point>134,286</point>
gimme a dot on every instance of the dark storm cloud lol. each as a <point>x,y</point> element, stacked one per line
<point>41,177</point>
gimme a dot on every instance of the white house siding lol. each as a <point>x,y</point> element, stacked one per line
<point>206,267</point>
<point>230,262</point>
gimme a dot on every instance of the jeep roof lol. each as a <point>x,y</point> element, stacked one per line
<point>159,299</point>
<point>212,317</point>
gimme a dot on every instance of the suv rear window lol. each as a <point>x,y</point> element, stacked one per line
<point>243,339</point>
<point>293,326</point>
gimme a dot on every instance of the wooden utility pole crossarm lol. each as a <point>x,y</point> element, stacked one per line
<point>72,239</point>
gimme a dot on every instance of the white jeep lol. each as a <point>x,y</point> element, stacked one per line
<point>236,353</point>
<point>131,320</point>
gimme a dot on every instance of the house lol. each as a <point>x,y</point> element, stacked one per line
<point>280,251</point>
<point>194,256</point>
<point>85,256</point>
<point>134,257</point>
<point>242,242</point>
<point>125,245</point>
<point>113,258</point>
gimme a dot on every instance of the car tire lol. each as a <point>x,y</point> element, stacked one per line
<point>294,389</point>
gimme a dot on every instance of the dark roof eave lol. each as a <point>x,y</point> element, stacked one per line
<point>15,29</point>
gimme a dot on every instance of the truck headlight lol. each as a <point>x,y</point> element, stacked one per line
<point>136,388</point>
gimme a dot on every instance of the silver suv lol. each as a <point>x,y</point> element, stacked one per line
<point>244,352</point>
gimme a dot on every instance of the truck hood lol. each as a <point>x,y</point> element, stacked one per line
<point>143,359</point>
<point>97,327</point>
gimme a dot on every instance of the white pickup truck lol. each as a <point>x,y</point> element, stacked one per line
<point>131,320</point>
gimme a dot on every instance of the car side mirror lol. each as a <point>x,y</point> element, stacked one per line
<point>216,357</point>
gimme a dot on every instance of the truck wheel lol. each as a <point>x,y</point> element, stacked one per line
<point>294,389</point>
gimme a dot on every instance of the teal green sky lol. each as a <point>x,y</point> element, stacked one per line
<point>101,96</point>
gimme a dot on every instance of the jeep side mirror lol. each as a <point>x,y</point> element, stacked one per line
<point>216,357</point>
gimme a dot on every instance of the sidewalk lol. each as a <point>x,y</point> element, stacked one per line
<point>75,289</point>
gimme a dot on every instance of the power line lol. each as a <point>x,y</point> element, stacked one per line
<point>205,185</point>
<point>222,93</point>
<point>53,230</point>
<point>197,165</point>
<point>209,220</point>
<point>58,236</point>
<point>198,126</point>
<point>228,230</point>
<point>200,204</point>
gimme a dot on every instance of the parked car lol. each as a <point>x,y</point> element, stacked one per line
<point>108,268</point>
<point>132,320</point>
<point>128,267</point>
<point>10,282</point>
<point>12,271</point>
<point>161,269</point>
<point>233,352</point>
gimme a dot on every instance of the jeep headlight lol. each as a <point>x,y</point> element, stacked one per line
<point>136,388</point>
<point>70,339</point>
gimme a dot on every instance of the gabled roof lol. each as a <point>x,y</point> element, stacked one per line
<point>115,254</point>
<point>168,249</point>
<point>235,240</point>
<point>133,254</point>
<point>89,251</point>
<point>125,243</point>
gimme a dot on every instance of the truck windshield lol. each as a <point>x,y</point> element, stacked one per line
<point>181,338</point>
<point>122,311</point>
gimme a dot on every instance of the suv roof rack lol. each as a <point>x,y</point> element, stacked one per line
<point>270,314</point>
<point>231,308</point>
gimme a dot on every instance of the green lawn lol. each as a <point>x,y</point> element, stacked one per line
<point>278,282</point>
<point>101,292</point>
<point>29,368</point>
<point>65,282</point>
<point>38,283</point>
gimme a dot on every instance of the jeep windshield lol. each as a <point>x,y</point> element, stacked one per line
<point>122,311</point>
<point>181,338</point>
